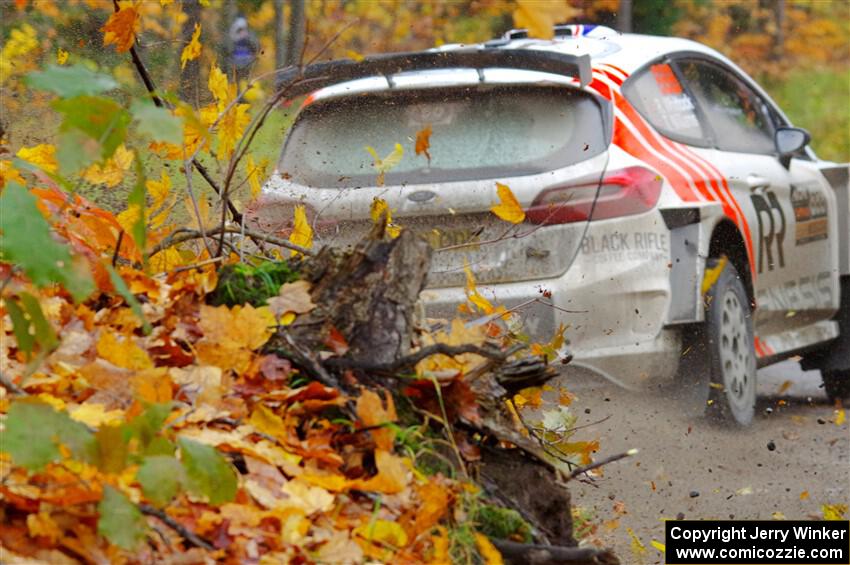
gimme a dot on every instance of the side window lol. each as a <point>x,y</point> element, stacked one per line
<point>739,117</point>
<point>660,98</point>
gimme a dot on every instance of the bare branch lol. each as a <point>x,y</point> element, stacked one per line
<point>187,534</point>
<point>183,234</point>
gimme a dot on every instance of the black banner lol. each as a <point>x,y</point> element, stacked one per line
<point>757,542</point>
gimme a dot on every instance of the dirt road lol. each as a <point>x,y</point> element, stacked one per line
<point>793,459</point>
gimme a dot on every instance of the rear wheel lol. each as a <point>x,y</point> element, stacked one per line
<point>717,374</point>
<point>836,384</point>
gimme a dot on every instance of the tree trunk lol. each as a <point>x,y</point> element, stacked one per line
<point>297,28</point>
<point>279,35</point>
<point>190,76</point>
<point>779,38</point>
<point>624,16</point>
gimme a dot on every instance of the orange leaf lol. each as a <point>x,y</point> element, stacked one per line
<point>121,27</point>
<point>423,142</point>
<point>371,411</point>
<point>508,207</point>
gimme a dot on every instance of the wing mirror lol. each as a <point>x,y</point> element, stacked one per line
<point>789,140</point>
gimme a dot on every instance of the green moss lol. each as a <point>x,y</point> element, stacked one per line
<point>502,523</point>
<point>251,284</point>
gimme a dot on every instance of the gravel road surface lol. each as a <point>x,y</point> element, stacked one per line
<point>793,459</point>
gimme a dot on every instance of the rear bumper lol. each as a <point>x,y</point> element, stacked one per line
<point>614,306</point>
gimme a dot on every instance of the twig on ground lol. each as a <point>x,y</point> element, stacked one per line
<point>516,552</point>
<point>187,534</point>
<point>595,465</point>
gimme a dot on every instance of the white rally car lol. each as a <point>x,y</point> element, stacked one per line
<point>676,222</point>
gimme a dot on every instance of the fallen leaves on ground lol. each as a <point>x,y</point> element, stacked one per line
<point>175,410</point>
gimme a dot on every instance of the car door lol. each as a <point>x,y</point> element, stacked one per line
<point>784,204</point>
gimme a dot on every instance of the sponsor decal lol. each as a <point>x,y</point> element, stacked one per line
<point>772,225</point>
<point>810,215</point>
<point>812,292</point>
<point>617,246</point>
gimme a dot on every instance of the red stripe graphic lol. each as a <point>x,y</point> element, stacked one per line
<point>698,169</point>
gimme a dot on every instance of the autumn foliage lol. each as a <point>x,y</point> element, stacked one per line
<point>147,412</point>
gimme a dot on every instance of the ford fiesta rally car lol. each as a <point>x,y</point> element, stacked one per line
<point>675,221</point>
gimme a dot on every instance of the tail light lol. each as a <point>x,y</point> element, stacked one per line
<point>621,193</point>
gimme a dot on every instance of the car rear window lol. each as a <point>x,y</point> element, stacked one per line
<point>476,133</point>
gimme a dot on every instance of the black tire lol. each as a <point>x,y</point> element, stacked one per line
<point>836,384</point>
<point>717,371</point>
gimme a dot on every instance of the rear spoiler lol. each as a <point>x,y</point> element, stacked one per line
<point>302,80</point>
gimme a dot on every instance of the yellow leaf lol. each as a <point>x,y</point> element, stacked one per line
<point>111,173</point>
<point>354,55</point>
<point>472,293</point>
<point>202,216</point>
<point>839,417</point>
<point>9,173</point>
<point>712,274</point>
<point>41,524</point>
<point>230,129</point>
<point>540,16</point>
<point>384,532</point>
<point>508,207</point>
<point>193,50</point>
<point>302,233</point>
<point>124,353</point>
<point>217,83</point>
<point>658,545</point>
<point>42,156</point>
<point>96,415</point>
<point>255,174</point>
<point>637,547</point>
<point>120,29</point>
<point>158,192</point>
<point>833,511</point>
<point>387,163</point>
<point>61,56</point>
<point>166,260</point>
<point>267,422</point>
<point>231,335</point>
<point>379,206</point>
<point>487,550</point>
<point>129,217</point>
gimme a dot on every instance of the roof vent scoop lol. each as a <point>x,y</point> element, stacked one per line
<point>568,30</point>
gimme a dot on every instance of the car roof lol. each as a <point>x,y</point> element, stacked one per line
<point>626,51</point>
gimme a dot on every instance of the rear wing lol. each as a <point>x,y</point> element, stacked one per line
<point>302,80</point>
